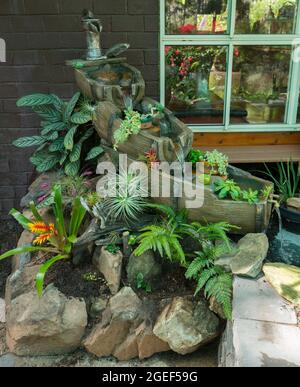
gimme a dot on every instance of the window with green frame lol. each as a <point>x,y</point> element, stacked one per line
<point>232,65</point>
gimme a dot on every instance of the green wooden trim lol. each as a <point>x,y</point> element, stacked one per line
<point>230,40</point>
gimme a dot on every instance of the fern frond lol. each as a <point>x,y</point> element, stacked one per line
<point>206,275</point>
<point>195,268</point>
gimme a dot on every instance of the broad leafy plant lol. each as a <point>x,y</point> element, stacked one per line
<point>63,133</point>
<point>250,196</point>
<point>57,239</point>
<point>212,278</point>
<point>228,189</point>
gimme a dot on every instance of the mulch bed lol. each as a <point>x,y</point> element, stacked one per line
<point>10,233</point>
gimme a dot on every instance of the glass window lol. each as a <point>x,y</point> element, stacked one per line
<point>260,84</point>
<point>265,16</point>
<point>227,65</point>
<point>196,17</point>
<point>195,83</point>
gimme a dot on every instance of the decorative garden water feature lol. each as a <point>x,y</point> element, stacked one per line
<point>109,268</point>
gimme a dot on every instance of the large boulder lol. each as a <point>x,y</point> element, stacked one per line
<point>110,265</point>
<point>145,265</point>
<point>248,257</point>
<point>2,311</point>
<point>20,260</point>
<point>20,282</point>
<point>147,343</point>
<point>285,279</point>
<point>186,325</point>
<point>121,317</point>
<point>51,325</point>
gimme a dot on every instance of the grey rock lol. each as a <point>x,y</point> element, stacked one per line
<point>247,257</point>
<point>186,325</point>
<point>20,260</point>
<point>97,307</point>
<point>110,265</point>
<point>2,311</point>
<point>112,335</point>
<point>52,325</point>
<point>145,264</point>
<point>20,282</point>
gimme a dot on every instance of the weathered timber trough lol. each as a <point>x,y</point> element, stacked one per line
<point>110,80</point>
<point>250,218</point>
<point>107,120</point>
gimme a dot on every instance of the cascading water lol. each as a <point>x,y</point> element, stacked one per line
<point>284,241</point>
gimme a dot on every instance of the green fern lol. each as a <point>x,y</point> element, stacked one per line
<point>62,136</point>
<point>162,239</point>
<point>213,279</point>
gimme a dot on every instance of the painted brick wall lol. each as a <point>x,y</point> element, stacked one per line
<point>42,34</point>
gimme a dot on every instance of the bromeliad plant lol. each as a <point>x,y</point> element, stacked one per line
<point>61,143</point>
<point>57,239</point>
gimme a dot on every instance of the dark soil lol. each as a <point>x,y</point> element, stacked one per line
<point>80,281</point>
<point>9,235</point>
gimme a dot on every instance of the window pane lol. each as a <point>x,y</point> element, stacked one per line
<point>196,17</point>
<point>260,84</point>
<point>195,83</point>
<point>265,16</point>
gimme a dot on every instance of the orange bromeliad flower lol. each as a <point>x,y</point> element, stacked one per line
<point>44,231</point>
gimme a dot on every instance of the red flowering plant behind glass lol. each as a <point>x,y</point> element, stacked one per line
<point>183,63</point>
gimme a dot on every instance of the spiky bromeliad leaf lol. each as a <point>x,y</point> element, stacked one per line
<point>94,152</point>
<point>27,142</point>
<point>72,169</point>
<point>69,138</point>
<point>80,118</point>
<point>40,277</point>
<point>25,249</point>
<point>70,106</point>
<point>36,100</point>
<point>20,218</point>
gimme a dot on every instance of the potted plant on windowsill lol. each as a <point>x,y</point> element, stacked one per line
<point>216,163</point>
<point>264,107</point>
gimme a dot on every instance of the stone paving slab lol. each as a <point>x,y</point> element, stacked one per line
<point>257,300</point>
<point>265,344</point>
<point>2,311</point>
<point>264,330</point>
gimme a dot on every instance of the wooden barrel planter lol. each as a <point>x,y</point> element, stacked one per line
<point>250,218</point>
<point>107,120</point>
<point>110,80</point>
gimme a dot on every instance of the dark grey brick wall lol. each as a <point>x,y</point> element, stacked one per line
<point>42,34</point>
